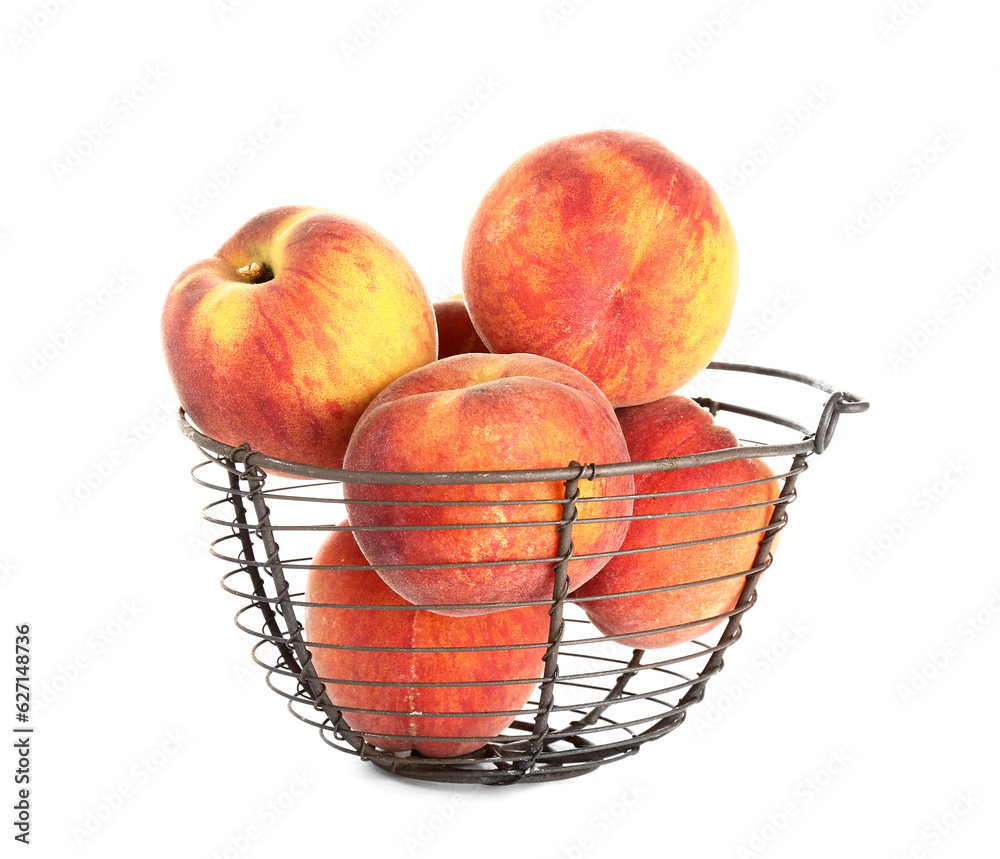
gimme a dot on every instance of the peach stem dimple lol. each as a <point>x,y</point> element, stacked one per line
<point>255,272</point>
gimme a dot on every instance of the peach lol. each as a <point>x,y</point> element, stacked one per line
<point>474,413</point>
<point>283,337</point>
<point>456,333</point>
<point>358,624</point>
<point>677,426</point>
<point>606,252</point>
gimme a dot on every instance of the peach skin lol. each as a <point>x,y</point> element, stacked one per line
<point>484,699</point>
<point>607,252</point>
<point>474,413</point>
<point>456,333</point>
<point>676,426</point>
<point>283,337</point>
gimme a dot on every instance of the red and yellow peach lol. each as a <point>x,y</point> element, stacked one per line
<point>477,413</point>
<point>284,335</point>
<point>727,504</point>
<point>607,252</point>
<point>482,662</point>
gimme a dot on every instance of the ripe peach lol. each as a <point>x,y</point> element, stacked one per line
<point>677,426</point>
<point>607,252</point>
<point>409,704</point>
<point>473,413</point>
<point>456,333</point>
<point>283,337</point>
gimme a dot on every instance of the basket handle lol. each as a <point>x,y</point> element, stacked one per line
<point>840,402</point>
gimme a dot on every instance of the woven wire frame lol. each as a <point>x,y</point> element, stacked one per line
<point>596,700</point>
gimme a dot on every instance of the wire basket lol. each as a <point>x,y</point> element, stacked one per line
<point>596,699</point>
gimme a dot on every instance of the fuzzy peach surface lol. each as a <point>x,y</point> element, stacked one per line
<point>456,333</point>
<point>468,708</point>
<point>607,252</point>
<point>288,365</point>
<point>676,426</point>
<point>477,413</point>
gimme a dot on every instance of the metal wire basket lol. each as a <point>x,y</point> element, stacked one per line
<point>596,700</point>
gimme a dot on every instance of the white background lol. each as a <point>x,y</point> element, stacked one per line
<point>862,225</point>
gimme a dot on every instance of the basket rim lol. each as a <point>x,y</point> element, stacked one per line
<point>839,402</point>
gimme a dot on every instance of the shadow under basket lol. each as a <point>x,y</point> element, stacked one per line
<point>595,699</point>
